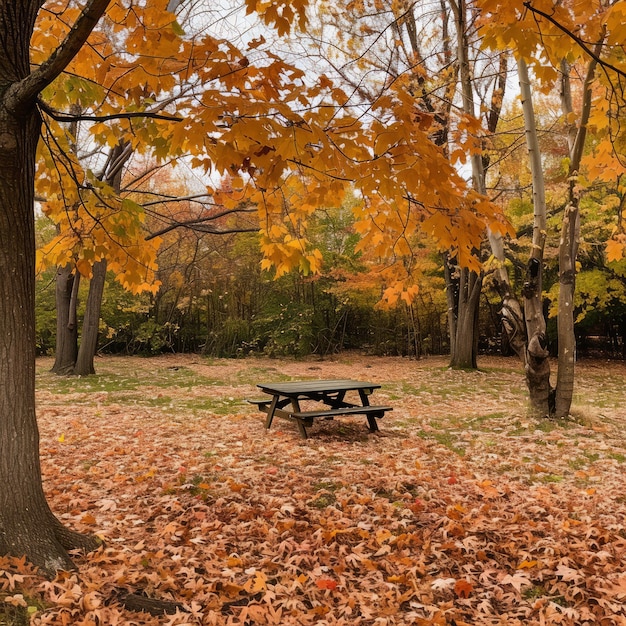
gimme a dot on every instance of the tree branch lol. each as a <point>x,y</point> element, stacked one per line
<point>593,54</point>
<point>26,90</point>
<point>196,225</point>
<point>79,117</point>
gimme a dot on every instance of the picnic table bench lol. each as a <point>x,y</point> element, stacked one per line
<point>331,393</point>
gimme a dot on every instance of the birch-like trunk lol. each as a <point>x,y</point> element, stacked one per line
<point>536,364</point>
<point>570,237</point>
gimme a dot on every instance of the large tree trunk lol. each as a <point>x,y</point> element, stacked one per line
<point>66,351</point>
<point>91,322</point>
<point>27,526</point>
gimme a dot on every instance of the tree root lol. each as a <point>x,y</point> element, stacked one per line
<point>139,602</point>
<point>73,540</point>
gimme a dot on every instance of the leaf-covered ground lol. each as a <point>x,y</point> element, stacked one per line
<point>461,510</point>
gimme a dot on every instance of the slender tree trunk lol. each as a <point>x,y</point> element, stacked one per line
<point>452,295</point>
<point>570,236</point>
<point>565,322</point>
<point>91,322</point>
<point>67,282</point>
<point>464,347</point>
<point>537,364</point>
<point>466,336</point>
<point>80,360</point>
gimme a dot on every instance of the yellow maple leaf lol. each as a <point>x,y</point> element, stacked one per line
<point>614,250</point>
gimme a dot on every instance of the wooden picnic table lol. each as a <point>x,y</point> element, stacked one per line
<point>331,393</point>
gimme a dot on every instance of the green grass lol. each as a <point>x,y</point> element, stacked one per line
<point>445,439</point>
<point>110,382</point>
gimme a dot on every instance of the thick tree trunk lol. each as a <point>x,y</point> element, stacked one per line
<point>91,322</point>
<point>27,526</point>
<point>66,351</point>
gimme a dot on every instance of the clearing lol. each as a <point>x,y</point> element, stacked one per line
<point>461,510</point>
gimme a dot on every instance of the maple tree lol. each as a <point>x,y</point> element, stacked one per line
<point>263,123</point>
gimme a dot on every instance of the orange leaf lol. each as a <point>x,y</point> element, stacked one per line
<point>326,583</point>
<point>463,588</point>
<point>88,519</point>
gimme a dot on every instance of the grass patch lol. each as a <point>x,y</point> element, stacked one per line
<point>179,377</point>
<point>445,439</point>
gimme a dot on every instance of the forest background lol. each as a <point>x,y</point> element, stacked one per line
<point>212,294</point>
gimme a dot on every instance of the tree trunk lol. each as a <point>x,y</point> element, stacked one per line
<point>466,322</point>
<point>27,526</point>
<point>464,345</point>
<point>570,235</point>
<point>537,365</point>
<point>66,351</point>
<point>565,323</point>
<point>83,362</point>
<point>91,322</point>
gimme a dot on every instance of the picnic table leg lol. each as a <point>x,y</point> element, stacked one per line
<point>301,427</point>
<point>365,401</point>
<point>373,425</point>
<point>270,412</point>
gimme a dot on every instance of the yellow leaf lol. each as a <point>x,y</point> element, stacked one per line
<point>614,250</point>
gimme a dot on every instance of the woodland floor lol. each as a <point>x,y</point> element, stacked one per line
<point>461,510</point>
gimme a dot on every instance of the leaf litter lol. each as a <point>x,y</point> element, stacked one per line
<point>461,510</point>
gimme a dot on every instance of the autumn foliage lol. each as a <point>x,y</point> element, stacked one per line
<point>289,146</point>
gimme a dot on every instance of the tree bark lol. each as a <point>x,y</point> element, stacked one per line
<point>570,237</point>
<point>91,322</point>
<point>565,322</point>
<point>66,351</point>
<point>466,322</point>
<point>27,526</point>
<point>537,365</point>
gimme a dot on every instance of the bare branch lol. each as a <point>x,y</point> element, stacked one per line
<point>79,117</point>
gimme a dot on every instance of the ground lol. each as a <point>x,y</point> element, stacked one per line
<point>461,510</point>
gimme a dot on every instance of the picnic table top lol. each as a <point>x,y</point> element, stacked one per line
<point>304,387</point>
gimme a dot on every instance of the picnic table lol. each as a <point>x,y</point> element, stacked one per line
<point>284,400</point>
